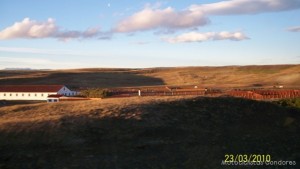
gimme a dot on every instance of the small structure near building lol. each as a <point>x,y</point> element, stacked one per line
<point>33,92</point>
<point>53,98</point>
<point>60,98</point>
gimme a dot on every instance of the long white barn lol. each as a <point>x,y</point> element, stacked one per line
<point>33,92</point>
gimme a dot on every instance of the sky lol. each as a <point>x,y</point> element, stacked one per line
<point>139,34</point>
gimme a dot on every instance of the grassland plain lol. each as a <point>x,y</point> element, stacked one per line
<point>229,76</point>
<point>146,133</point>
<point>149,132</point>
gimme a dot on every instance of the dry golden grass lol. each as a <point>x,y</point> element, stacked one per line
<point>39,112</point>
<point>147,133</point>
<point>229,76</point>
<point>232,75</point>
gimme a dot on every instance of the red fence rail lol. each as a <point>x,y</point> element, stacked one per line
<point>266,94</point>
<point>260,94</point>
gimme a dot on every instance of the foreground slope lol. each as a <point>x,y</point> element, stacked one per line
<point>146,133</point>
<point>288,75</point>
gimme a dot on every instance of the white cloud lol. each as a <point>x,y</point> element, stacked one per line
<point>200,37</point>
<point>294,29</point>
<point>237,7</point>
<point>32,29</point>
<point>196,15</point>
<point>150,18</point>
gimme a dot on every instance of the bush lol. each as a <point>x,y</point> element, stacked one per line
<point>95,93</point>
<point>289,102</point>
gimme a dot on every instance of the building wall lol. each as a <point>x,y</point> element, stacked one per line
<point>24,96</point>
<point>35,95</point>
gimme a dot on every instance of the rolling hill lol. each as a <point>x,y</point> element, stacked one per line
<point>146,133</point>
<point>288,75</point>
<point>149,132</point>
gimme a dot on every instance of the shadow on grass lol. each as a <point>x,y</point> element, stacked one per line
<point>187,134</point>
<point>4,103</point>
<point>88,79</point>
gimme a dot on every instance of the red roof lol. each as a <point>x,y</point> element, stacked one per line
<point>30,88</point>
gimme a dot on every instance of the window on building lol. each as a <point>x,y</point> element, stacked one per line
<point>35,95</point>
<point>54,100</point>
<point>10,94</point>
<point>16,94</point>
<point>42,95</point>
<point>4,94</point>
<point>28,94</point>
<point>23,94</point>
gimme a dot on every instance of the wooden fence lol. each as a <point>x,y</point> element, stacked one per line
<point>266,94</point>
<point>259,94</point>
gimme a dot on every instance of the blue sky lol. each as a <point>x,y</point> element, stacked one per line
<point>108,33</point>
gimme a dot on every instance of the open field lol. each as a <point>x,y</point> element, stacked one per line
<point>153,132</point>
<point>146,133</point>
<point>229,76</point>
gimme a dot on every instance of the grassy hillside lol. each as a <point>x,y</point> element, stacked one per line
<point>288,75</point>
<point>146,133</point>
<point>232,75</point>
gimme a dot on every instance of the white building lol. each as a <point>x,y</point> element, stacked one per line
<point>33,92</point>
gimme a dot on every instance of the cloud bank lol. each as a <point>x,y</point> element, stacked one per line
<point>197,15</point>
<point>240,7</point>
<point>31,29</point>
<point>200,37</point>
<point>167,18</point>
<point>151,18</point>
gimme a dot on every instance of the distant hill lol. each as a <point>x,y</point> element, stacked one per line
<point>146,133</point>
<point>17,69</point>
<point>227,76</point>
<point>25,69</point>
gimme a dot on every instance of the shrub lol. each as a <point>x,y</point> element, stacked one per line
<point>95,93</point>
<point>289,102</point>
